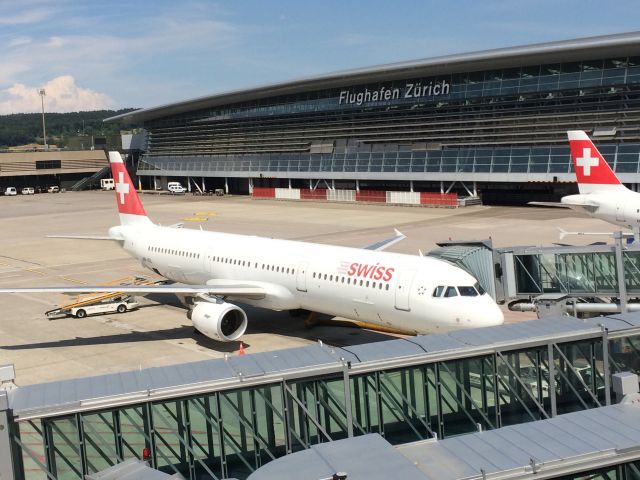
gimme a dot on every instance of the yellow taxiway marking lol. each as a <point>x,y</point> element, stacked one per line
<point>37,272</point>
<point>195,219</point>
<point>73,280</point>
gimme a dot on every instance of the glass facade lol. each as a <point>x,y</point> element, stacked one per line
<point>506,121</point>
<point>530,160</point>
<point>231,433</point>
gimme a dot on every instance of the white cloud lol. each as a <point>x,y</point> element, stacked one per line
<point>19,41</point>
<point>26,17</point>
<point>62,95</point>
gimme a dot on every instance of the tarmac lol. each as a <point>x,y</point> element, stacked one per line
<point>159,333</point>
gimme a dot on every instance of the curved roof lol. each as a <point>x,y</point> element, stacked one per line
<point>552,52</point>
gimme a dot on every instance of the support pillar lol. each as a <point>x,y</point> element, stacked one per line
<point>189,184</point>
<point>226,185</point>
<point>411,185</point>
<point>333,184</point>
<point>622,286</point>
<point>357,185</point>
<point>6,456</point>
<point>203,189</point>
<point>155,183</point>
<point>475,189</point>
<point>441,186</point>
<point>289,183</point>
<point>250,186</point>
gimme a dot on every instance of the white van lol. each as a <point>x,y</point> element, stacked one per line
<point>10,191</point>
<point>107,184</point>
<point>176,187</point>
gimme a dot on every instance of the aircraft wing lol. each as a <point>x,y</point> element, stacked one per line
<point>84,237</point>
<point>222,290</point>
<point>383,244</point>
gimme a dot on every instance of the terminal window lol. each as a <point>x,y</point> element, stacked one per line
<point>44,164</point>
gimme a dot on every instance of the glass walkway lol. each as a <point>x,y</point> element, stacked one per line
<point>227,417</point>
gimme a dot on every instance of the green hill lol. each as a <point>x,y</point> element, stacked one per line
<point>24,128</point>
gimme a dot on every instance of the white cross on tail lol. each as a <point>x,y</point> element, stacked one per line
<point>122,187</point>
<point>586,161</point>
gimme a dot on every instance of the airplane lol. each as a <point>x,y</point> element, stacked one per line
<point>602,195</point>
<point>412,294</point>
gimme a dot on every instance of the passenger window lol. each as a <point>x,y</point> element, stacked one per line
<point>437,292</point>
<point>451,292</point>
<point>479,288</point>
<point>387,286</point>
<point>467,291</point>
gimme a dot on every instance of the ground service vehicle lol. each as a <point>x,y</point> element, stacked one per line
<point>107,184</point>
<point>176,187</point>
<point>10,191</point>
<point>28,191</point>
<point>107,307</point>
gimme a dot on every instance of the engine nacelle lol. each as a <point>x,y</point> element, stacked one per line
<point>224,322</point>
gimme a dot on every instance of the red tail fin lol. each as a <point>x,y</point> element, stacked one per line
<point>592,170</point>
<point>129,204</point>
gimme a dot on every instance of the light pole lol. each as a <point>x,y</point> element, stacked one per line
<point>44,130</point>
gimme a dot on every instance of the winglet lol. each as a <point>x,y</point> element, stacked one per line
<point>593,173</point>
<point>129,204</point>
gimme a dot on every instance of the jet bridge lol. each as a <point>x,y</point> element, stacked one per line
<point>581,280</point>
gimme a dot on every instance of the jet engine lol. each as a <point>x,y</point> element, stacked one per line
<point>220,321</point>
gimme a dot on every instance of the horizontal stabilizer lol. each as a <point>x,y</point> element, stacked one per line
<point>549,204</point>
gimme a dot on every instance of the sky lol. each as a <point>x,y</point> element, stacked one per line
<point>91,55</point>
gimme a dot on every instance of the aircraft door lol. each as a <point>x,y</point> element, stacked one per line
<point>301,276</point>
<point>403,288</point>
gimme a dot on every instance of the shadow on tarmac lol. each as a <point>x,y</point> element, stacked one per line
<point>261,321</point>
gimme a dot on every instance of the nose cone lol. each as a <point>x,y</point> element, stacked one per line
<point>488,316</point>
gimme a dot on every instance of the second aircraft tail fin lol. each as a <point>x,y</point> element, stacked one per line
<point>593,173</point>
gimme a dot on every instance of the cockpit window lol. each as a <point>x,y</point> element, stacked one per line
<point>438,291</point>
<point>479,288</point>
<point>451,292</point>
<point>467,291</point>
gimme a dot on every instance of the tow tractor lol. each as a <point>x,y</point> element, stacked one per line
<point>114,302</point>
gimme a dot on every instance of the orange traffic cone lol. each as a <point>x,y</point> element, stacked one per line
<point>241,351</point>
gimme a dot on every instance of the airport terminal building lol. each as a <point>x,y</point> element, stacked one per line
<point>491,122</point>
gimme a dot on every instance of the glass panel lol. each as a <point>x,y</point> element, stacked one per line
<point>523,379</point>
<point>31,437</point>
<point>625,354</point>
<point>465,398</point>
<point>65,448</point>
<point>100,441</point>
<point>168,426</point>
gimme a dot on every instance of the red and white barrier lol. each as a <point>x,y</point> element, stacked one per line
<point>434,199</point>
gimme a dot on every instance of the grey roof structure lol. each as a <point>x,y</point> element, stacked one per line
<point>551,52</point>
<point>561,445</point>
<point>92,393</point>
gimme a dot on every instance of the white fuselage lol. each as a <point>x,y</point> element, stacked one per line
<point>387,289</point>
<point>620,206</point>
